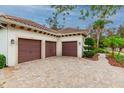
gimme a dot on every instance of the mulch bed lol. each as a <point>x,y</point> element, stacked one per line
<point>113,62</point>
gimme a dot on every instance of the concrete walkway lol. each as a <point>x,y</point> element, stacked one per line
<point>63,72</point>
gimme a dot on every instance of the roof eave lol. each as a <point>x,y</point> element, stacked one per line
<point>8,21</point>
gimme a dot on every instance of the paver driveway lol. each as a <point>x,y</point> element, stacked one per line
<point>63,72</point>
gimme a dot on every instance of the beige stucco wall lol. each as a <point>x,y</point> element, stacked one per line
<point>11,50</point>
<point>3,42</point>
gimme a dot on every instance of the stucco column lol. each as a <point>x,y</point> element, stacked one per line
<point>59,48</point>
<point>43,49</point>
<point>80,47</point>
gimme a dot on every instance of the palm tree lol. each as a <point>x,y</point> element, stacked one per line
<point>98,26</point>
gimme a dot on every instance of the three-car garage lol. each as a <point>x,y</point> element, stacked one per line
<point>23,40</point>
<point>29,49</point>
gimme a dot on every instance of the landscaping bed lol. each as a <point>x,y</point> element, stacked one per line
<point>113,62</point>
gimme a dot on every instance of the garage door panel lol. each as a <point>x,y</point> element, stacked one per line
<point>50,49</point>
<point>28,50</point>
<point>69,48</point>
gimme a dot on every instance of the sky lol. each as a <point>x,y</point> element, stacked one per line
<point>40,13</point>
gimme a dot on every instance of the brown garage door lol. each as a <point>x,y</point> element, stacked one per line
<point>69,48</point>
<point>50,48</point>
<point>28,50</point>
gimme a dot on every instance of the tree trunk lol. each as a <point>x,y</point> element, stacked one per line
<point>98,38</point>
<point>112,52</point>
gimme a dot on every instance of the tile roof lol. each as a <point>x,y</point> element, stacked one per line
<point>25,21</point>
<point>73,30</point>
<point>39,26</point>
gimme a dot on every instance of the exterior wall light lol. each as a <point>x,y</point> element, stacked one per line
<point>12,41</point>
<point>79,43</point>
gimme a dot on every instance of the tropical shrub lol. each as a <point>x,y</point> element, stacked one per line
<point>119,58</point>
<point>112,42</point>
<point>99,50</point>
<point>101,43</point>
<point>89,42</point>
<point>89,48</point>
<point>89,54</point>
<point>2,61</point>
<point>121,44</point>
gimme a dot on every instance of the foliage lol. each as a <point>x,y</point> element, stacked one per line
<point>89,41</point>
<point>120,43</point>
<point>2,61</point>
<point>99,50</point>
<point>98,26</point>
<point>114,42</point>
<point>89,54</point>
<point>99,11</point>
<point>89,48</point>
<point>53,23</point>
<point>111,42</point>
<point>101,44</point>
<point>119,58</point>
<point>63,10</point>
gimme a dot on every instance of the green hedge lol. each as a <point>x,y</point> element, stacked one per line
<point>2,61</point>
<point>88,48</point>
<point>89,54</point>
<point>99,50</point>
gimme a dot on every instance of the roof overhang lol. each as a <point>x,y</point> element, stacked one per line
<point>9,22</point>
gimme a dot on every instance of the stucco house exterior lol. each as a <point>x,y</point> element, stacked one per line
<point>23,40</point>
